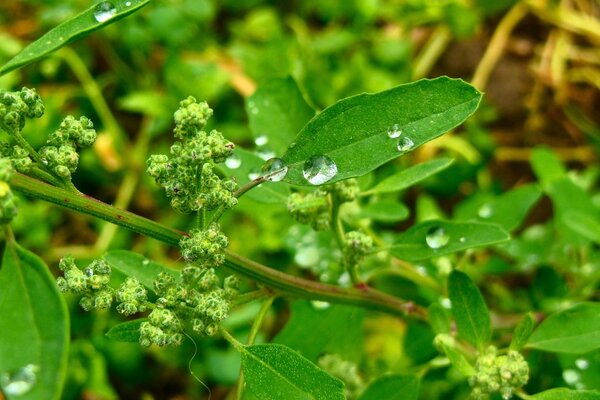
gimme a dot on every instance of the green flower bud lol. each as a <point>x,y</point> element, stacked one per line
<point>205,247</point>
<point>498,374</point>
<point>191,117</point>
<point>310,208</point>
<point>356,245</point>
<point>344,191</point>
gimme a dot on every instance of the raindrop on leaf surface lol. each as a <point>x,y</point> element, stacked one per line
<point>319,169</point>
<point>394,131</point>
<point>19,382</point>
<point>104,11</point>
<point>437,237</point>
<point>405,144</point>
<point>274,170</point>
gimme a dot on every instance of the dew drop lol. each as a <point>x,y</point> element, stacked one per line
<point>265,154</point>
<point>319,169</point>
<point>127,4</point>
<point>462,239</point>
<point>485,211</point>
<point>253,174</point>
<point>19,382</point>
<point>405,144</point>
<point>571,377</point>
<point>233,162</point>
<point>261,140</point>
<point>104,11</point>
<point>89,272</point>
<point>320,305</point>
<point>274,170</point>
<point>582,363</point>
<point>437,237</point>
<point>394,131</point>
<point>145,262</point>
<point>446,303</point>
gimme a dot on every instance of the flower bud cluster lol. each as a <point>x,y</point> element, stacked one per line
<point>205,248</point>
<point>132,297</point>
<point>498,374</point>
<point>92,284</point>
<point>187,176</point>
<point>311,208</point>
<point>344,191</point>
<point>17,107</point>
<point>356,245</point>
<point>344,370</point>
<point>8,202</point>
<point>60,153</point>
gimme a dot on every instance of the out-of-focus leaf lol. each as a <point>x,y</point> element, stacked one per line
<point>584,224</point>
<point>393,387</point>
<point>137,266</point>
<point>385,211</point>
<point>547,166</point>
<point>126,331</point>
<point>566,394</point>
<point>522,332</point>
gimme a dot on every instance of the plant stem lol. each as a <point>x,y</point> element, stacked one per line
<point>234,342</point>
<point>361,295</point>
<point>431,52</point>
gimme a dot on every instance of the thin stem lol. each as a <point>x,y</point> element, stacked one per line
<point>290,285</point>
<point>252,184</point>
<point>251,296</point>
<point>431,52</point>
<point>340,235</point>
<point>227,336</point>
<point>9,236</point>
<point>39,173</point>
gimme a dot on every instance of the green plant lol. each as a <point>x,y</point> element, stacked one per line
<point>331,179</point>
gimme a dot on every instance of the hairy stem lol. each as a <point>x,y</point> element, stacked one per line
<point>280,282</point>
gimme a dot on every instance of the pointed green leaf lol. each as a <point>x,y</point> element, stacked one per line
<point>522,332</point>
<point>470,312</point>
<point>426,240</point>
<point>575,330</point>
<point>70,31</point>
<point>385,211</point>
<point>126,331</point>
<point>275,372</point>
<point>137,266</point>
<point>410,176</point>
<point>447,344</point>
<point>277,111</point>
<point>566,394</point>
<point>393,387</point>
<point>583,223</point>
<point>35,324</point>
<point>353,132</point>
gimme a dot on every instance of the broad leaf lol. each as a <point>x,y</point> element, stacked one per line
<point>435,238</point>
<point>439,318</point>
<point>73,29</point>
<point>245,166</point>
<point>137,266</point>
<point>126,332</point>
<point>385,211</point>
<point>393,387</point>
<point>410,176</point>
<point>566,394</point>
<point>277,111</point>
<point>522,332</point>
<point>470,312</point>
<point>447,344</point>
<point>35,327</point>
<point>275,372</point>
<point>575,331</point>
<point>353,133</point>
<point>312,330</point>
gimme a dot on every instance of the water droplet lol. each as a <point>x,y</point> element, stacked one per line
<point>320,305</point>
<point>571,377</point>
<point>265,154</point>
<point>437,237</point>
<point>274,170</point>
<point>485,211</point>
<point>394,131</point>
<point>421,270</point>
<point>319,169</point>
<point>261,140</point>
<point>446,303</point>
<point>462,239</point>
<point>104,11</point>
<point>89,272</point>
<point>127,4</point>
<point>19,382</point>
<point>306,256</point>
<point>145,262</point>
<point>253,174</point>
<point>582,363</point>
<point>405,144</point>
<point>233,162</point>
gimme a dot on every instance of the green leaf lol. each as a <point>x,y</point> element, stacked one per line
<point>583,223</point>
<point>35,324</point>
<point>70,31</point>
<point>470,312</point>
<point>522,332</point>
<point>566,394</point>
<point>412,245</point>
<point>277,110</point>
<point>410,176</point>
<point>137,266</point>
<point>546,166</point>
<point>353,131</point>
<point>126,331</point>
<point>312,331</point>
<point>250,163</point>
<point>575,330</point>
<point>275,372</point>
<point>393,387</point>
<point>446,343</point>
<point>385,211</point>
<point>439,318</point>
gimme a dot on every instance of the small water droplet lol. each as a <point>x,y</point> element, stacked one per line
<point>571,377</point>
<point>89,272</point>
<point>104,11</point>
<point>421,270</point>
<point>265,154</point>
<point>446,303</point>
<point>394,131</point>
<point>582,363</point>
<point>405,144</point>
<point>253,174</point>
<point>485,211</point>
<point>233,162</point>
<point>261,140</point>
<point>462,239</point>
<point>19,382</point>
<point>319,169</point>
<point>127,4</point>
<point>145,262</point>
<point>274,170</point>
<point>320,305</point>
<point>437,237</point>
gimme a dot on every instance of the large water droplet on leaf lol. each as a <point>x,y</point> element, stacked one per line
<point>437,237</point>
<point>394,131</point>
<point>319,169</point>
<point>104,11</point>
<point>405,144</point>
<point>274,170</point>
<point>19,382</point>
<point>233,162</point>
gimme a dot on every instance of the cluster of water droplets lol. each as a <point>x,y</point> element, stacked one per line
<point>19,382</point>
<point>573,376</point>
<point>404,143</point>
